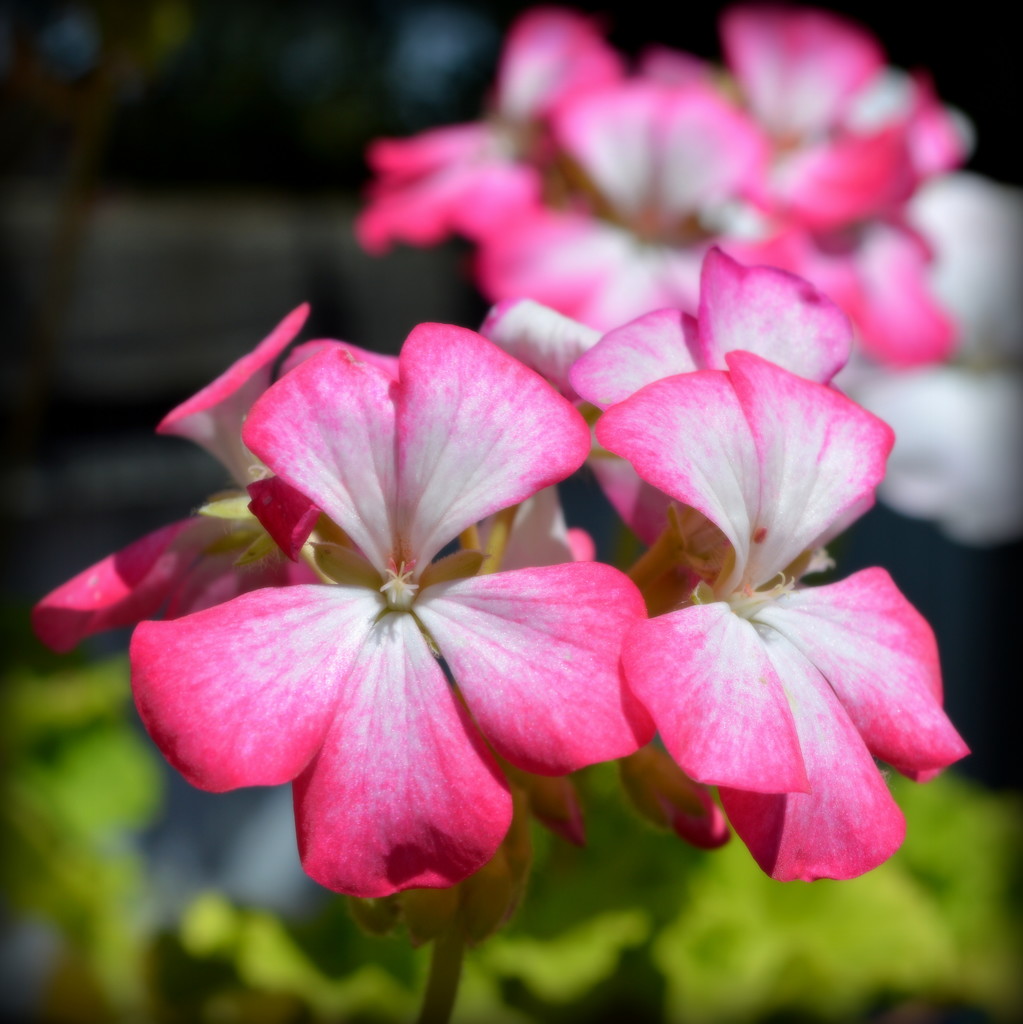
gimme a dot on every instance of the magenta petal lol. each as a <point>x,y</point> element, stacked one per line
<point>124,587</point>
<point>243,694</point>
<point>848,822</point>
<point>655,345</point>
<point>536,653</point>
<point>328,429</point>
<point>403,792</point>
<point>286,514</point>
<point>879,655</point>
<point>477,431</point>
<point>213,418</point>
<point>717,702</point>
<point>300,353</point>
<point>772,313</point>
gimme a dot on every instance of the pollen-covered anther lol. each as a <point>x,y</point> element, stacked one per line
<point>398,588</point>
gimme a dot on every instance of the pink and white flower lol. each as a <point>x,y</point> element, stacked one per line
<point>473,178</point>
<point>781,695</point>
<point>336,685</point>
<point>663,167</point>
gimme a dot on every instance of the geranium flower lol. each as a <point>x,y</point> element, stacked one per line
<point>659,168</point>
<point>198,561</point>
<point>472,178</point>
<point>336,686</point>
<point>778,694</point>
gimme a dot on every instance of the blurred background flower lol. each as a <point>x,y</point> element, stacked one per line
<point>178,174</point>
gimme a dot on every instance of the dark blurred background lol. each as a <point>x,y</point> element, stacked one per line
<point>176,176</point>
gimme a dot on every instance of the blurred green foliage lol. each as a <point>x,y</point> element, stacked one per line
<point>635,925</point>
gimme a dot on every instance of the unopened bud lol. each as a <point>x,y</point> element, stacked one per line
<point>668,798</point>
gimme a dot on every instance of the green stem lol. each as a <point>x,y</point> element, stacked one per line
<point>445,971</point>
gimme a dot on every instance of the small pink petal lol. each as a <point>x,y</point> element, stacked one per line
<point>718,704</point>
<point>536,652</point>
<point>539,535</point>
<point>849,178</point>
<point>327,429</point>
<point>403,792</point>
<point>879,656</point>
<point>243,694</point>
<point>477,431</point>
<point>848,822</point>
<point>772,313</point>
<point>213,417</point>
<point>123,588</point>
<point>550,56</point>
<point>655,345</point>
<point>286,514</point>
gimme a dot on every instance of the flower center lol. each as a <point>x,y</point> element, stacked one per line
<point>398,589</point>
<point>747,601</point>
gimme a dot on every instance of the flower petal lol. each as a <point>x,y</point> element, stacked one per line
<point>655,345</point>
<point>879,656</point>
<point>403,792</point>
<point>848,822</point>
<point>718,704</point>
<point>772,313</point>
<point>477,432</point>
<point>123,588</point>
<point>799,67</point>
<point>328,429</point>
<point>213,418</point>
<point>687,435</point>
<point>819,456</point>
<point>536,653</point>
<point>243,694</point>
<point>540,337</point>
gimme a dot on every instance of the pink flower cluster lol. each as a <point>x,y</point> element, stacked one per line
<point>597,190</point>
<point>389,612</point>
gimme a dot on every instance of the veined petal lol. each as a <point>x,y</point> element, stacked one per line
<point>536,653</point>
<point>655,345</point>
<point>879,656</point>
<point>718,704</point>
<point>403,792</point>
<point>772,313</point>
<point>477,432</point>
<point>123,588</point>
<point>848,822</point>
<point>687,435</point>
<point>213,418</point>
<point>818,452</point>
<point>243,694</point>
<point>328,429</point>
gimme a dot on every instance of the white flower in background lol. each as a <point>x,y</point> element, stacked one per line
<point>958,457</point>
